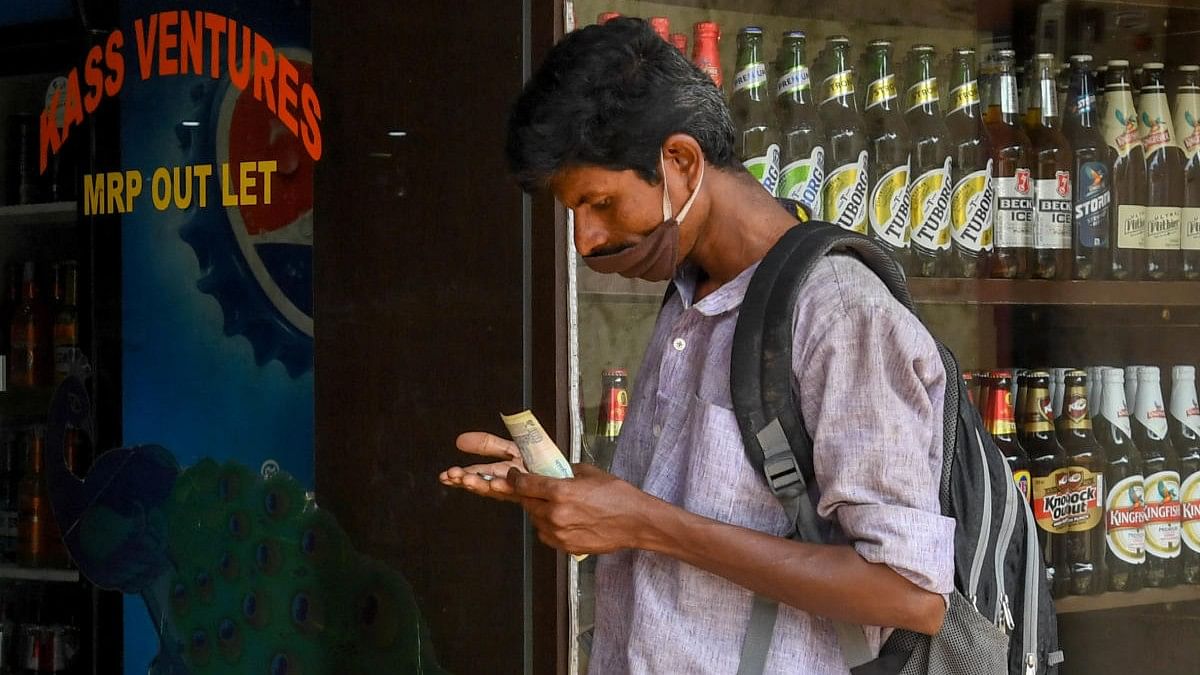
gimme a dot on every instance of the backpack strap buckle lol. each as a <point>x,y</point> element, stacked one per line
<point>780,467</point>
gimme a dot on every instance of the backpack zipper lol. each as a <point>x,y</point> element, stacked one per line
<point>985,527</point>
<point>1032,584</point>
<point>1007,524</point>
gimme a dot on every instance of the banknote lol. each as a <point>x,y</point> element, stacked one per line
<point>538,451</point>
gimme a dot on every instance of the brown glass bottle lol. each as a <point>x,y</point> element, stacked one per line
<point>614,400</point>
<point>1125,502</point>
<point>1081,484</point>
<point>1092,195</point>
<point>1160,466</point>
<point>1164,178</point>
<point>931,166</point>
<point>1184,423</point>
<point>1011,156</point>
<point>1000,421</point>
<point>887,146</point>
<point>1046,459</point>
<point>1052,167</point>
<point>1187,131</point>
<point>67,355</point>
<point>39,542</point>
<point>1123,132</point>
<point>29,361</point>
<point>973,194</point>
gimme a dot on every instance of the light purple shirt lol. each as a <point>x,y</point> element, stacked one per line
<point>870,384</point>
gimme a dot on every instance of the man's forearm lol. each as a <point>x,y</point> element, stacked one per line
<point>832,581</point>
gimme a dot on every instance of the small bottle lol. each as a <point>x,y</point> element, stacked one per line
<point>1164,514</point>
<point>67,355</point>
<point>888,147</point>
<point>1092,197</point>
<point>1164,179</point>
<point>1053,163</point>
<point>1187,130</point>
<point>28,360</point>
<point>801,133</point>
<point>973,195</point>
<point>662,27</point>
<point>931,166</point>
<point>1011,157</point>
<point>705,52</point>
<point>614,400</point>
<point>40,541</point>
<point>1185,436</point>
<point>1125,502</point>
<point>757,137</point>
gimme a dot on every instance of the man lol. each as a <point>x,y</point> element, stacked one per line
<point>622,129</point>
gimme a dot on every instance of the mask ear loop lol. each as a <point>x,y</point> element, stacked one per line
<point>666,200</point>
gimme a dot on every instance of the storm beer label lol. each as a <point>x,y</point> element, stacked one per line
<point>1093,198</point>
<point>971,210</point>
<point>881,90</point>
<point>1163,231</point>
<point>1189,494</point>
<point>839,85</point>
<point>794,81</point>
<point>1164,514</point>
<point>1014,211</point>
<point>1069,500</point>
<point>1131,226</point>
<point>801,181</point>
<point>765,168</point>
<point>930,198</point>
<point>1125,520</point>
<point>845,196</point>
<point>890,207</point>
<point>752,76</point>
<point>1120,127</point>
<point>1053,205</point>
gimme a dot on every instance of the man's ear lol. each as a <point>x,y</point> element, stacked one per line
<point>685,154</point>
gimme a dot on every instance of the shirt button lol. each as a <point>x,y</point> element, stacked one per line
<point>657,430</point>
<point>679,344</point>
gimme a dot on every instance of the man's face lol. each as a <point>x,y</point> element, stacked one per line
<point>613,209</point>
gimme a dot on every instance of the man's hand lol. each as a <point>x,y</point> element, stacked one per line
<point>594,512</point>
<point>471,478</point>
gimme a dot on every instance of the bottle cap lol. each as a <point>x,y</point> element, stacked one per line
<point>1183,373</point>
<point>1114,376</point>
<point>1189,69</point>
<point>997,374</point>
<point>1152,66</point>
<point>1081,58</point>
<point>615,372</point>
<point>795,34</point>
<point>1006,53</point>
<point>751,30</point>
<point>964,51</point>
<point>707,29</point>
<point>1118,63</point>
<point>1148,374</point>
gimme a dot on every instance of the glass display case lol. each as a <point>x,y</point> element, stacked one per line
<point>1034,167</point>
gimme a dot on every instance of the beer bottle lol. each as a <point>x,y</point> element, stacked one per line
<point>1001,424</point>
<point>1160,466</point>
<point>757,137</point>
<point>801,131</point>
<point>844,197</point>
<point>931,166</point>
<point>1185,436</point>
<point>680,40</point>
<point>1131,382</point>
<point>27,361</point>
<point>1164,178</point>
<point>614,400</point>
<point>40,542</point>
<point>705,53</point>
<point>662,27</point>
<point>1090,233</point>
<point>1081,495</point>
<point>1052,175</point>
<point>1125,503</point>
<point>972,390</point>
<point>973,196</point>
<point>1062,84</point>
<point>1058,391</point>
<point>605,17</point>
<point>1011,156</point>
<point>981,384</point>
<point>888,154</point>
<point>66,319</point>
<point>1046,459</point>
<point>1022,393</point>
<point>1187,125</point>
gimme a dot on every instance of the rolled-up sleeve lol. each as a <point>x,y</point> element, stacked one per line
<point>871,387</point>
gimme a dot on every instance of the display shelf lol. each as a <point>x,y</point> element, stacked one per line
<point>15,572</point>
<point>1146,596</point>
<point>50,213</point>
<point>1039,292</point>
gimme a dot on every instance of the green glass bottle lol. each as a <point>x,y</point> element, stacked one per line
<point>844,197</point>
<point>888,146</point>
<point>757,137</point>
<point>801,133</point>
<point>931,163</point>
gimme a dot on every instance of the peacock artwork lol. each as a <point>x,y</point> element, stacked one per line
<point>240,573</point>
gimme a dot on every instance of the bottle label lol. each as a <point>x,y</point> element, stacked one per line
<point>1131,226</point>
<point>922,93</point>
<point>765,168</point>
<point>1190,235</point>
<point>1189,495</point>
<point>930,198</point>
<point>971,211</point>
<point>839,85</point>
<point>1049,92</point>
<point>801,181</point>
<point>1021,478</point>
<point>1113,409</point>
<point>964,96</point>
<point>845,195</point>
<point>1187,120</point>
<point>613,407</point>
<point>1120,128</point>
<point>890,207</point>
<point>794,81</point>
<point>1092,200</point>
<point>1069,500</point>
<point>1126,520</point>
<point>881,91</point>
<point>1164,514</point>
<point>752,76</point>
<point>1184,407</point>
<point>1075,407</point>
<point>1008,95</point>
<point>1153,418</point>
<point>1053,228</point>
<point>1163,228</point>
<point>1156,123</point>
<point>1014,211</point>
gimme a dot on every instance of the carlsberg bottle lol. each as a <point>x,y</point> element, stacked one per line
<point>888,141</point>
<point>801,131</point>
<point>757,138</point>
<point>844,197</point>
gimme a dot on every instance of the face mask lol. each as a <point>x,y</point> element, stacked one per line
<point>656,257</point>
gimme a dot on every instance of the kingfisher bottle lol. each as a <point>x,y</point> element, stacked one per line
<point>1092,196</point>
<point>931,166</point>
<point>1164,178</point>
<point>1160,466</point>
<point>973,195</point>
<point>757,137</point>
<point>844,197</point>
<point>802,135</point>
<point>1184,423</point>
<point>1187,130</point>
<point>1011,156</point>
<point>1122,132</point>
<point>1125,502</point>
<point>888,141</point>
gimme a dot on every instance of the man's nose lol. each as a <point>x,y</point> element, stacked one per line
<point>590,236</point>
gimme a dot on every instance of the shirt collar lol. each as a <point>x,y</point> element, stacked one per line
<point>726,298</point>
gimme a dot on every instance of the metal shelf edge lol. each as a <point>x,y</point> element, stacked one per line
<point>48,212</point>
<point>38,574</point>
<point>1146,596</point>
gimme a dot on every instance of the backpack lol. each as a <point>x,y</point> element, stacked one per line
<point>1000,617</point>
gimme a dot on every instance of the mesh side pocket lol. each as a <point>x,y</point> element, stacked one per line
<point>968,644</point>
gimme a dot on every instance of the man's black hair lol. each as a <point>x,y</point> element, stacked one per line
<point>609,96</point>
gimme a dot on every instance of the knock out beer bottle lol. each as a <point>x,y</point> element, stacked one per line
<point>1080,491</point>
<point>1047,460</point>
